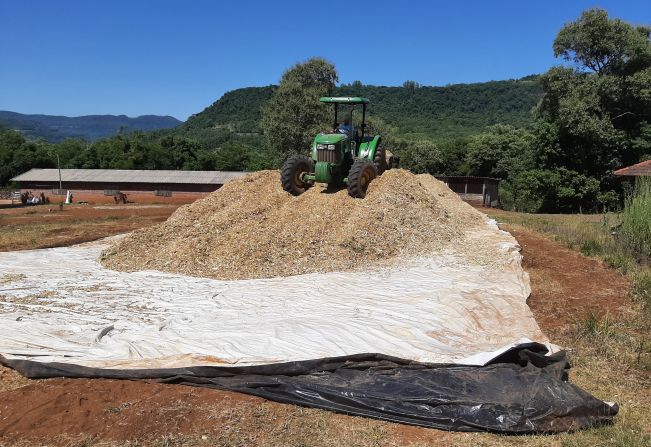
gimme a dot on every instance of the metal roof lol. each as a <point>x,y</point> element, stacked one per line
<point>128,176</point>
<point>643,168</point>
<point>466,177</point>
<point>345,99</point>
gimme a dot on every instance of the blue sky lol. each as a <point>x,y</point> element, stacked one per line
<point>175,58</point>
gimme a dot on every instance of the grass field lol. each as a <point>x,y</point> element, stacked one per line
<point>596,307</point>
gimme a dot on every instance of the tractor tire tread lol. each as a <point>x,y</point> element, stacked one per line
<point>356,188</point>
<point>288,174</point>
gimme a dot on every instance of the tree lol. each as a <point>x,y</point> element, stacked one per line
<point>502,151</point>
<point>232,157</point>
<point>410,85</point>
<point>420,157</point>
<point>594,117</point>
<point>294,115</point>
<point>540,190</point>
<point>603,45</point>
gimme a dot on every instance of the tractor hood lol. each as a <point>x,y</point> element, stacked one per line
<point>330,138</point>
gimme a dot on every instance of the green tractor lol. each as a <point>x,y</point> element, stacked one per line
<point>342,156</point>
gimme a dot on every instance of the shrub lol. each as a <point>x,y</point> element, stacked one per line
<point>636,219</point>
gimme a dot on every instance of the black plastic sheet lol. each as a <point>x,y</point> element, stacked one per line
<point>522,391</point>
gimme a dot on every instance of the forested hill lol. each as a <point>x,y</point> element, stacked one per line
<point>436,113</point>
<point>452,111</point>
<point>90,127</point>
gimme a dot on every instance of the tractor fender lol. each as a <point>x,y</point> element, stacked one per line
<point>367,149</point>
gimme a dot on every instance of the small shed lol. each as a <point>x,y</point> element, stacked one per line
<point>476,190</point>
<point>636,170</point>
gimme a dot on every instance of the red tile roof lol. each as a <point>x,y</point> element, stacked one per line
<point>643,168</point>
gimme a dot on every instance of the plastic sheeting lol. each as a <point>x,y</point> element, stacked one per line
<point>522,391</point>
<point>60,305</point>
<point>397,344</point>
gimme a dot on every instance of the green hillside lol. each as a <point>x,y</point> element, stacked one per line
<point>436,113</point>
<point>235,116</point>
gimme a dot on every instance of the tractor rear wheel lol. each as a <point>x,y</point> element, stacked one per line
<point>360,175</point>
<point>291,176</point>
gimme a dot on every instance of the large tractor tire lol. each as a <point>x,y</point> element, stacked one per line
<point>360,175</point>
<point>380,160</point>
<point>292,172</point>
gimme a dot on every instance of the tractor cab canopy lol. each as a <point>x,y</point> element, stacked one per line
<point>352,101</point>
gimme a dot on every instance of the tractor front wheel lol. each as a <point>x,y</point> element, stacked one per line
<point>360,175</point>
<point>291,176</point>
<point>380,160</point>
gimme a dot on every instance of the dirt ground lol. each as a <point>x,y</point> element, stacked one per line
<point>70,412</point>
<point>44,226</point>
<point>567,286</point>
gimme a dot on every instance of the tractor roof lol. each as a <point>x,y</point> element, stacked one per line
<point>345,100</point>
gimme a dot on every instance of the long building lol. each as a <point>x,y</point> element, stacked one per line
<point>102,185</point>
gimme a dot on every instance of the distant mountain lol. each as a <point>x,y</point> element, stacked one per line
<point>89,127</point>
<point>436,113</point>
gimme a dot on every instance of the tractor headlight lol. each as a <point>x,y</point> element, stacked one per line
<point>331,147</point>
<point>320,146</point>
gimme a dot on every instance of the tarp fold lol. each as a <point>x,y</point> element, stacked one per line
<point>522,391</point>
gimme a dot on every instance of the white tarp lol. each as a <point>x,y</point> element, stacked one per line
<point>60,305</point>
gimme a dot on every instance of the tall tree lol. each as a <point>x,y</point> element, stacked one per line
<point>604,45</point>
<point>595,116</point>
<point>293,115</point>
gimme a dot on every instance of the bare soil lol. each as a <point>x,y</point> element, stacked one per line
<point>44,226</point>
<point>566,287</point>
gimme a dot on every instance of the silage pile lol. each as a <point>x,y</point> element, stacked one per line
<point>251,228</point>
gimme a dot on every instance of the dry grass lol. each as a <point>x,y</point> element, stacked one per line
<point>11,380</point>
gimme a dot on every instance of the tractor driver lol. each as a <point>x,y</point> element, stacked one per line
<point>345,126</point>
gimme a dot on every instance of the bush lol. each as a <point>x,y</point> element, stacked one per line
<point>636,219</point>
<point>591,247</point>
<point>420,157</point>
<point>620,261</point>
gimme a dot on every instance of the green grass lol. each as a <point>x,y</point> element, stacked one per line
<point>595,327</point>
<point>642,288</point>
<point>635,229</point>
<point>610,355</point>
